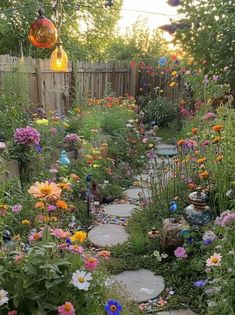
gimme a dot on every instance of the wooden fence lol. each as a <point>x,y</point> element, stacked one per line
<point>54,91</point>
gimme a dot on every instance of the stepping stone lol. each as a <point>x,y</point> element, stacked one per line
<point>182,312</point>
<point>120,210</point>
<point>158,139</point>
<point>107,235</point>
<point>133,193</point>
<point>145,177</point>
<point>166,149</point>
<point>142,285</point>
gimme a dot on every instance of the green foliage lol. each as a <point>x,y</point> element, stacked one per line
<point>210,39</point>
<point>158,109</point>
<point>87,44</point>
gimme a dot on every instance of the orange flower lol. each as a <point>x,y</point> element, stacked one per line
<point>45,190</point>
<point>104,253</point>
<point>217,128</point>
<point>39,205</point>
<point>201,160</point>
<point>216,139</point>
<point>194,131</point>
<point>219,158</point>
<point>204,175</point>
<point>65,186</point>
<point>181,142</point>
<point>74,177</point>
<point>192,186</point>
<point>62,204</point>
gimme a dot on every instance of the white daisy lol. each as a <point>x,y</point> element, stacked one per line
<point>80,279</point>
<point>3,297</point>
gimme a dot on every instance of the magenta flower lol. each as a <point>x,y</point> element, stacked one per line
<point>51,208</point>
<point>180,252</point>
<point>66,309</point>
<point>27,136</point>
<point>71,138</point>
<point>91,263</point>
<point>208,116</point>
<point>16,208</point>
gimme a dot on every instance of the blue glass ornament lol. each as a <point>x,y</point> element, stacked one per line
<point>162,61</point>
<point>64,160</point>
<point>173,207</point>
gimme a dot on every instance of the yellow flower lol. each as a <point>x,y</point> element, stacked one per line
<point>174,73</point>
<point>66,125</point>
<point>172,84</point>
<point>150,145</point>
<point>96,165</point>
<point>201,160</point>
<point>26,222</point>
<point>42,121</point>
<point>79,236</point>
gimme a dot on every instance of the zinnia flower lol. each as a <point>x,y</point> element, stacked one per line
<point>104,253</point>
<point>113,307</point>
<point>194,131</point>
<point>201,160</point>
<point>180,252</point>
<point>42,121</point>
<point>181,142</point>
<point>27,136</point>
<point>214,260</point>
<point>208,116</point>
<point>35,236</point>
<point>71,138</point>
<point>45,190</point>
<point>80,279</point>
<point>204,174</point>
<point>91,263</point>
<point>217,128</point>
<point>59,233</point>
<point>79,236</point>
<point>66,309</point>
<point>3,297</point>
<point>62,204</point>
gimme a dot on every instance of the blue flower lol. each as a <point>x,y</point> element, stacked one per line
<point>207,242</point>
<point>199,283</point>
<point>38,148</point>
<point>173,207</point>
<point>112,307</point>
<point>162,61</point>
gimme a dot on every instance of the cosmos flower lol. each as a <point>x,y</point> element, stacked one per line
<point>80,279</point>
<point>214,260</point>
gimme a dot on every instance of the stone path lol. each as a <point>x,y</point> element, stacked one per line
<point>107,235</point>
<point>141,285</point>
<point>177,312</point>
<point>120,210</point>
<point>166,150</point>
<point>136,193</point>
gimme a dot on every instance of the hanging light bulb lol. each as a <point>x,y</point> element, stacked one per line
<point>43,33</point>
<point>59,59</point>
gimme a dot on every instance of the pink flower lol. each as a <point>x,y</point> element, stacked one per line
<point>66,309</point>
<point>208,116</point>
<point>180,252</point>
<point>2,145</point>
<point>27,136</point>
<point>16,208</point>
<point>205,143</point>
<point>91,263</point>
<point>214,260</point>
<point>71,138</point>
<point>76,249</point>
<point>18,259</point>
<point>59,233</point>
<point>51,208</point>
<point>53,131</point>
<point>36,236</point>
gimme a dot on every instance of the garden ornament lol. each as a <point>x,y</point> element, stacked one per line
<point>64,160</point>
<point>198,212</point>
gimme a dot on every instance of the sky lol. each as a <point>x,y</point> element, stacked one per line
<point>160,6</point>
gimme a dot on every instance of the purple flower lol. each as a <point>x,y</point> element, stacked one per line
<point>180,252</point>
<point>199,283</point>
<point>207,242</point>
<point>71,138</point>
<point>112,307</point>
<point>51,208</point>
<point>16,208</point>
<point>208,116</point>
<point>27,136</point>
<point>225,219</point>
<point>38,148</point>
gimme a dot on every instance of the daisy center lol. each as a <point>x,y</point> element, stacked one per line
<point>67,307</point>
<point>214,260</point>
<point>113,308</point>
<point>81,279</point>
<point>46,190</point>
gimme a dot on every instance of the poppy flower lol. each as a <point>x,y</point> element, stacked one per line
<point>112,307</point>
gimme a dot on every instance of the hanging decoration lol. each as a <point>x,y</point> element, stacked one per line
<point>59,59</point>
<point>173,3</point>
<point>43,33</point>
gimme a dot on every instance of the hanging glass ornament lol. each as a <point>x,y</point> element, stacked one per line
<point>43,33</point>
<point>59,59</point>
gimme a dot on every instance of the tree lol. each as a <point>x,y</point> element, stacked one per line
<point>137,44</point>
<point>85,30</point>
<point>210,39</point>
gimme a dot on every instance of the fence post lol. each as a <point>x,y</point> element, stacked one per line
<point>134,84</point>
<point>39,82</point>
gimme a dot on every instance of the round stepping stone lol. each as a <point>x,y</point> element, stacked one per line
<point>120,210</point>
<point>142,285</point>
<point>107,235</point>
<point>182,312</point>
<point>164,146</point>
<point>167,152</point>
<point>133,193</point>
